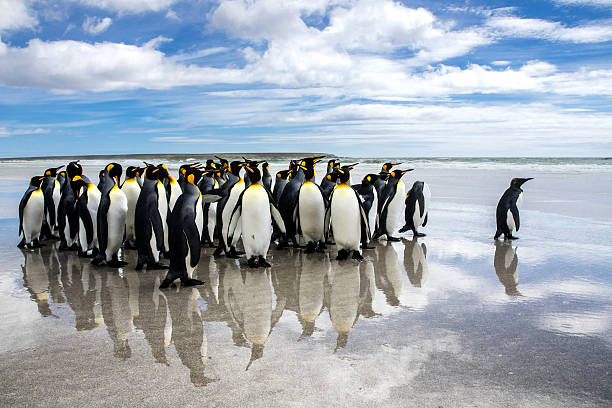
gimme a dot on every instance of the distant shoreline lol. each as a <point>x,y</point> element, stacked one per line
<point>166,156</point>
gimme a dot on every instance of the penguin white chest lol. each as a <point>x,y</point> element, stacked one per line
<point>395,208</point>
<point>33,215</point>
<point>346,218</point>
<point>312,212</point>
<point>256,221</point>
<point>115,219</point>
<point>199,216</point>
<point>373,212</point>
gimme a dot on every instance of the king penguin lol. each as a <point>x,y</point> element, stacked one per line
<point>112,213</point>
<point>252,219</point>
<point>88,201</point>
<point>508,209</point>
<point>51,192</point>
<point>327,185</point>
<point>309,214</point>
<point>68,218</point>
<point>230,192</point>
<point>185,229</point>
<point>173,190</point>
<point>267,177</point>
<point>369,199</point>
<point>392,199</point>
<point>148,219</point>
<point>131,188</point>
<point>280,182</point>
<point>347,217</point>
<point>31,212</point>
<point>417,208</point>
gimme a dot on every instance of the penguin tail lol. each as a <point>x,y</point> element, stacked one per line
<point>497,234</point>
<point>21,243</point>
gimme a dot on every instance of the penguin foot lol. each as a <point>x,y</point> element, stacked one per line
<point>511,237</point>
<point>330,242</point>
<point>115,263</point>
<point>253,262</point>
<point>238,252</point>
<point>393,239</point>
<point>166,283</point>
<point>97,260</point>
<point>84,254</point>
<point>418,234</point>
<point>263,262</point>
<point>218,252</point>
<point>21,244</point>
<point>366,246</point>
<point>155,266</point>
<point>191,282</point>
<point>357,256</point>
<point>232,254</point>
<point>321,247</point>
<point>310,248</point>
<point>404,228</point>
<point>497,235</point>
<point>342,255</point>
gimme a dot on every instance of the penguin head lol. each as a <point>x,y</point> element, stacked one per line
<point>183,169</point>
<point>52,172</point>
<point>331,164</point>
<point>333,176</point>
<point>77,183</point>
<point>397,174</point>
<point>308,166</point>
<point>162,173</point>
<point>62,174</point>
<point>386,167</point>
<point>210,164</point>
<point>253,174</point>
<point>369,179</point>
<point>518,182</point>
<point>282,175</point>
<point>36,180</point>
<point>235,166</point>
<point>193,175</point>
<point>74,169</point>
<point>132,172</point>
<point>224,163</point>
<point>344,173</point>
<point>265,166</point>
<point>114,172</point>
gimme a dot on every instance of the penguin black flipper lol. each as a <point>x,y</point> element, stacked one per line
<point>421,200</point>
<point>85,216</point>
<point>156,224</point>
<point>327,217</point>
<point>425,220</point>
<point>103,223</point>
<point>22,205</point>
<point>49,205</point>
<point>296,215</point>
<point>234,218</point>
<point>277,217</point>
<point>365,226</point>
<point>193,239</point>
<point>408,213</point>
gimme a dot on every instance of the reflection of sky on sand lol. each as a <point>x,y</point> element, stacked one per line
<point>450,308</point>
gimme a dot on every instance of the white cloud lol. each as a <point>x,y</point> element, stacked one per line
<point>96,25</point>
<point>548,30</point>
<point>15,15</point>
<point>129,6</point>
<point>6,132</point>
<point>171,15</point>
<point>597,3</point>
<point>67,66</point>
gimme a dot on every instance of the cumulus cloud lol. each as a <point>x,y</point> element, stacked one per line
<point>548,30</point>
<point>16,14</point>
<point>67,66</point>
<point>129,6</point>
<point>96,25</point>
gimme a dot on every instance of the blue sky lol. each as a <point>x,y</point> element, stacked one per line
<point>350,77</point>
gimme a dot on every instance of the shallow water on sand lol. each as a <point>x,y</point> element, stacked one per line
<point>451,319</point>
<point>446,320</point>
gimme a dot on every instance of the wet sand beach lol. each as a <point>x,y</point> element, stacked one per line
<point>450,319</point>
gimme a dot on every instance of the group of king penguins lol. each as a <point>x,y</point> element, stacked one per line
<point>161,216</point>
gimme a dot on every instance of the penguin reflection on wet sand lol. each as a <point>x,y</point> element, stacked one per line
<point>415,261</point>
<point>36,280</point>
<point>188,333</point>
<point>344,296</point>
<point>506,263</point>
<point>507,212</point>
<point>31,212</point>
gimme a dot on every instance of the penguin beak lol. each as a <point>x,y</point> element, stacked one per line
<point>521,181</point>
<point>406,171</point>
<point>397,164</point>
<point>249,169</point>
<point>59,168</point>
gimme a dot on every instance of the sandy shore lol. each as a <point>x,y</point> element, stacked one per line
<point>452,319</point>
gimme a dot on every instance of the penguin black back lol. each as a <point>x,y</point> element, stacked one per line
<point>507,212</point>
